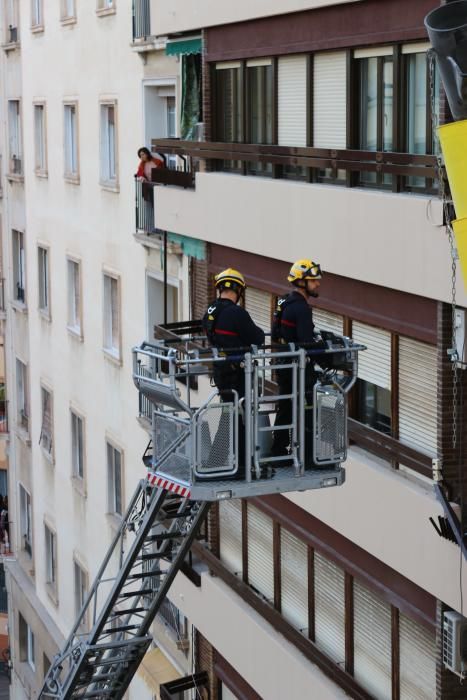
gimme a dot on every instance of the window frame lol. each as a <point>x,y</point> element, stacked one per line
<point>19,269</point>
<point>112,448</point>
<point>83,583</point>
<point>74,300</point>
<point>11,15</point>
<point>27,652</point>
<point>113,352</point>
<point>40,140</point>
<point>37,15</point>
<point>65,17</point>
<point>71,148</point>
<point>106,7</point>
<point>22,396</point>
<point>49,447</point>
<point>25,520</point>
<point>78,448</point>
<point>43,278</point>
<point>107,179</point>
<point>51,560</point>
<point>15,140</point>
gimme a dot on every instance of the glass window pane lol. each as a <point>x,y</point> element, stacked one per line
<point>388,92</point>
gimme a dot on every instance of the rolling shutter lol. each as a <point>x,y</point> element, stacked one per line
<point>259,304</point>
<point>327,321</point>
<point>417,661</point>
<point>260,554</point>
<point>230,535</point>
<point>329,608</point>
<point>292,86</point>
<point>294,581</point>
<point>374,364</point>
<point>417,395</point>
<point>372,643</point>
<point>330,100</point>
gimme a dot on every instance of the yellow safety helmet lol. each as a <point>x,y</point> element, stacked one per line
<point>230,279</point>
<point>304,270</point>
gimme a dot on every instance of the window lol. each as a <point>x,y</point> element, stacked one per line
<point>376,85</point>
<point>43,264</point>
<point>46,437</point>
<point>11,23</point>
<point>105,5</point>
<point>19,267</point>
<point>171,118</point>
<point>26,643</point>
<point>37,19</point>
<point>25,520</point>
<point>419,136</point>
<point>81,586</point>
<point>68,10</point>
<point>108,144</point>
<point>74,297</point>
<point>71,141</point>
<point>50,557</point>
<point>374,377</point>
<point>229,111</point>
<point>15,137</point>
<point>260,101</point>
<point>111,316</point>
<point>40,139</point>
<point>22,395</point>
<point>77,446</point>
<point>114,476</point>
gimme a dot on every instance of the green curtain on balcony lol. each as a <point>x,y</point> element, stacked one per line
<point>190,113</point>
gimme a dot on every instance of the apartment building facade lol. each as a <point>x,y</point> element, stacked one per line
<point>82,87</point>
<point>328,594</point>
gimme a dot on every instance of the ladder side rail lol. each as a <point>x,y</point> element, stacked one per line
<point>301,412</point>
<point>247,415</point>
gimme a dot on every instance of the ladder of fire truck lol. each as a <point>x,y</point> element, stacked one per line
<point>147,552</point>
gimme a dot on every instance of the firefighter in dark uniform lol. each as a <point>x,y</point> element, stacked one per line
<point>228,327</point>
<point>293,323</point>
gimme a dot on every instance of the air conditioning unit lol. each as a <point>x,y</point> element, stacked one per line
<point>455,643</point>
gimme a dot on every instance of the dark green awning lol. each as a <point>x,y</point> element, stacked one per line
<point>183,46</point>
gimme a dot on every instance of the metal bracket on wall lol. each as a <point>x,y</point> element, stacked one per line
<point>455,525</point>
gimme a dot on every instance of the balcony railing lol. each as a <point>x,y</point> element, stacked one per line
<point>141,20</point>
<point>144,206</point>
<point>310,164</point>
<point>16,165</point>
<point>2,295</point>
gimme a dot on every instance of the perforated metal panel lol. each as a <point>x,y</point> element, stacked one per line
<point>330,425</point>
<point>417,395</point>
<point>330,100</point>
<point>230,535</point>
<point>294,581</point>
<point>171,435</point>
<point>372,642</point>
<point>215,439</point>
<point>374,365</point>
<point>260,553</point>
<point>417,660</point>
<point>327,321</point>
<point>292,85</point>
<point>329,583</point>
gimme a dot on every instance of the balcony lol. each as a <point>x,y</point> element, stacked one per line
<point>391,239</point>
<point>172,16</point>
<point>144,30</point>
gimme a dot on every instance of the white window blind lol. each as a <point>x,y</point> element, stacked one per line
<point>374,364</point>
<point>329,586</point>
<point>260,554</point>
<point>230,535</point>
<point>294,581</point>
<point>330,100</point>
<point>259,304</point>
<point>327,321</point>
<point>417,395</point>
<point>292,86</point>
<point>372,642</point>
<point>417,661</point>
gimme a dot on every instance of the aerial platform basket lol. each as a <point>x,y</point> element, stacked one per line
<point>208,449</point>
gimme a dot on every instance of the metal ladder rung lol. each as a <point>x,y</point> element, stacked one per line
<point>273,399</point>
<point>139,592</point>
<point>163,537</point>
<point>123,628</point>
<point>147,574</point>
<point>131,611</point>
<point>271,428</point>
<point>156,555</point>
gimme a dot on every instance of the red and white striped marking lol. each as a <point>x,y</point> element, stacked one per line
<point>168,485</point>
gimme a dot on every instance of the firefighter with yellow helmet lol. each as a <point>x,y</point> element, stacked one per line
<point>293,323</point>
<point>229,326</point>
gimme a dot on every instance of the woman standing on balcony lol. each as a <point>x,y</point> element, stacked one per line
<point>147,163</point>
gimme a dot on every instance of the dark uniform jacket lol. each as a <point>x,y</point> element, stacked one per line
<point>293,321</point>
<point>229,326</point>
